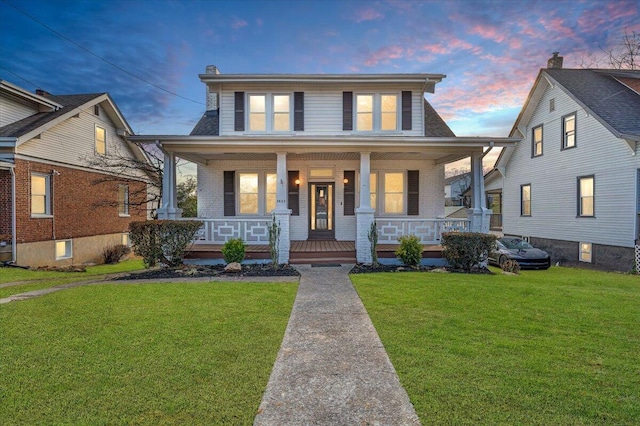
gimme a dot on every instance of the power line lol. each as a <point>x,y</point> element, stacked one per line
<point>19,76</point>
<point>98,56</point>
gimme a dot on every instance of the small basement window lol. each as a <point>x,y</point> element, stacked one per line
<point>63,249</point>
<point>586,252</point>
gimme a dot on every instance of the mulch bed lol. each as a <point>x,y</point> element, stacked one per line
<point>366,269</point>
<point>252,270</point>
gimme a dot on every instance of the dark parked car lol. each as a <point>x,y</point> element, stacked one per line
<point>521,251</point>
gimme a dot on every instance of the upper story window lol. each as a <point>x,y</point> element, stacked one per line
<point>525,200</point>
<point>569,131</point>
<point>552,104</point>
<point>101,140</point>
<point>40,198</point>
<point>376,112</point>
<point>586,191</point>
<point>537,141</point>
<point>269,112</point>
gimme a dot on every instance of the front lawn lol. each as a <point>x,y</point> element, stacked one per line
<point>547,347</point>
<point>197,353</point>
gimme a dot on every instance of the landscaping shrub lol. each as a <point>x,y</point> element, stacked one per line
<point>274,241</point>
<point>511,266</point>
<point>410,250</point>
<point>373,241</point>
<point>114,253</point>
<point>466,250</point>
<point>233,250</point>
<point>163,241</point>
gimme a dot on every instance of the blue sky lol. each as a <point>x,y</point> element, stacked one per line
<point>491,51</point>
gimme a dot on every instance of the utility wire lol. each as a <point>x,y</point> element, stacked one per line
<point>98,56</point>
<point>19,76</point>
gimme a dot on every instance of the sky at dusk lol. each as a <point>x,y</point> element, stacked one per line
<point>491,51</point>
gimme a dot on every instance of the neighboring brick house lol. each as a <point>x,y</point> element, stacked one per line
<point>326,155</point>
<point>572,186</point>
<point>57,207</point>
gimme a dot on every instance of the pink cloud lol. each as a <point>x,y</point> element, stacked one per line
<point>238,23</point>
<point>596,19</point>
<point>489,32</point>
<point>367,15</point>
<point>384,54</point>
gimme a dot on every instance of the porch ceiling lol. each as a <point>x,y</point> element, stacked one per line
<point>318,156</point>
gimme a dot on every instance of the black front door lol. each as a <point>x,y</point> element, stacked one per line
<point>321,226</point>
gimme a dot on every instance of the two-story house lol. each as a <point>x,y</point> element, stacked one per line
<point>455,187</point>
<point>55,206</point>
<point>327,155</point>
<point>572,186</point>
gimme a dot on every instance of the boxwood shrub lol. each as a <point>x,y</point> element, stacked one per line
<point>467,250</point>
<point>162,241</point>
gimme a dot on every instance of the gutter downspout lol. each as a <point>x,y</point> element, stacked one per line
<point>13,216</point>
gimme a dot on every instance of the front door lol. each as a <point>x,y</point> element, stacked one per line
<point>321,226</point>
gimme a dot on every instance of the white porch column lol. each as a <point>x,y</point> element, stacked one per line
<point>479,216</point>
<point>282,213</point>
<point>169,209</point>
<point>364,213</point>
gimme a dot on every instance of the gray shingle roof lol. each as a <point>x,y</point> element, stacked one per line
<point>28,124</point>
<point>434,125</point>
<point>615,104</point>
<point>209,125</point>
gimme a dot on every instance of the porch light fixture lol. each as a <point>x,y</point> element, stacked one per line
<point>297,182</point>
<point>345,181</point>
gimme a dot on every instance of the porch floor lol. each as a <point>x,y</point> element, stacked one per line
<point>309,251</point>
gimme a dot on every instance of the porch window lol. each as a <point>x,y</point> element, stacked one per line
<point>123,200</point>
<point>101,140</point>
<point>364,113</point>
<point>394,193</point>
<point>373,187</point>
<point>525,200</point>
<point>272,183</point>
<point>40,198</point>
<point>537,141</point>
<point>248,193</point>
<point>257,113</point>
<point>569,131</point>
<point>586,196</point>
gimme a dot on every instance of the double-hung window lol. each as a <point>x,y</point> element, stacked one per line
<point>40,195</point>
<point>373,187</point>
<point>269,112</point>
<point>394,193</point>
<point>586,196</point>
<point>376,112</point>
<point>101,140</point>
<point>257,193</point>
<point>248,188</point>
<point>123,200</point>
<point>537,141</point>
<point>272,186</point>
<point>525,200</point>
<point>569,131</point>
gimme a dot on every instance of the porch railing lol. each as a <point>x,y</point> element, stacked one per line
<point>219,231</point>
<point>428,230</point>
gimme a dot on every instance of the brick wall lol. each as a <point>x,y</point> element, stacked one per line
<point>5,202</point>
<point>80,205</point>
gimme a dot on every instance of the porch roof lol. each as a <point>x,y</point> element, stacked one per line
<point>200,149</point>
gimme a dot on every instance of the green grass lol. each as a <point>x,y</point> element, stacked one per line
<point>547,347</point>
<point>36,280</point>
<point>198,353</point>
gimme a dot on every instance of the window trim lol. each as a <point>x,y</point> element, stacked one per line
<point>47,195</point>
<point>575,131</point>
<point>533,141</point>
<point>95,143</point>
<point>522,200</point>
<point>376,111</point>
<point>123,204</point>
<point>68,254</point>
<point>269,106</point>
<point>579,196</point>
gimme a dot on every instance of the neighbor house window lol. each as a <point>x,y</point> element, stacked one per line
<point>364,113</point>
<point>586,196</point>
<point>40,198</point>
<point>257,113</point>
<point>525,200</point>
<point>586,252</point>
<point>272,184</point>
<point>537,141</point>
<point>389,112</point>
<point>569,131</point>
<point>281,113</point>
<point>96,110</point>
<point>394,193</point>
<point>123,200</point>
<point>101,140</point>
<point>63,249</point>
<point>248,193</point>
<point>126,241</point>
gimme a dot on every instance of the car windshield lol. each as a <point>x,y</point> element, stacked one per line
<point>516,244</point>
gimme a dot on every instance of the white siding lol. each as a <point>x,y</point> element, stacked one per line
<point>553,179</point>
<point>12,111</point>
<point>211,195</point>
<point>323,107</point>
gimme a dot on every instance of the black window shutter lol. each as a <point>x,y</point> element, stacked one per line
<point>347,110</point>
<point>239,112</point>
<point>298,111</point>
<point>413,187</point>
<point>350,193</point>
<point>229,193</point>
<point>294,192</point>
<point>406,110</point>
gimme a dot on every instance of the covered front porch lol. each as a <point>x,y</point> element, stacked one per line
<point>326,189</point>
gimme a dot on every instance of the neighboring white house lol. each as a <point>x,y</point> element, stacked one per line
<point>454,187</point>
<point>326,155</point>
<point>572,184</point>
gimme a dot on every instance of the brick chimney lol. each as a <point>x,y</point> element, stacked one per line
<point>41,92</point>
<point>555,62</point>
<point>212,97</point>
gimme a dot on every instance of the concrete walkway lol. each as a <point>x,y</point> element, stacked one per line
<point>332,368</point>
